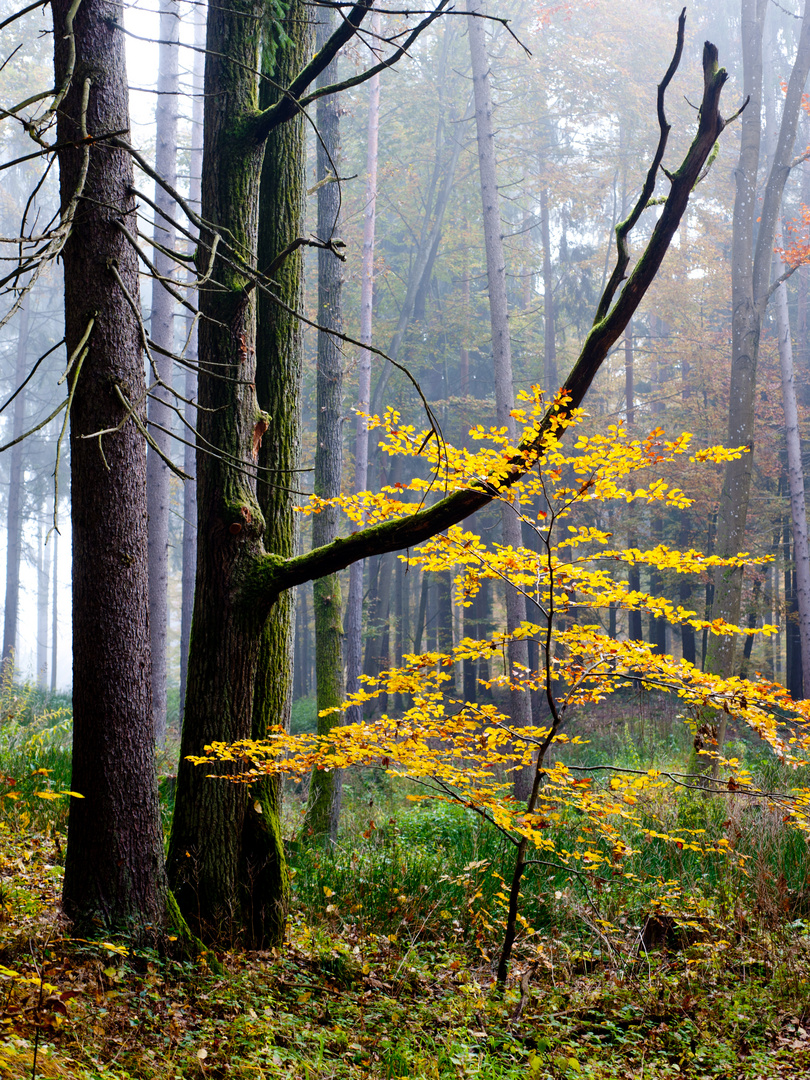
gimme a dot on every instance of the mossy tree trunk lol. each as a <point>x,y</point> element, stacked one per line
<point>226,859</point>
<point>243,568</point>
<point>278,385</point>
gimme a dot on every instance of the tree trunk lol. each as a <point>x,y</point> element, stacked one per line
<point>795,476</point>
<point>226,855</point>
<point>239,581</point>
<point>114,873</point>
<point>751,269</point>
<point>16,494</point>
<point>520,705</point>
<point>444,605</point>
<point>354,604</point>
<point>323,811</point>
<point>190,394</point>
<point>162,333</point>
<point>551,382</point>
<point>43,575</point>
<point>685,588</point>
<point>54,611</point>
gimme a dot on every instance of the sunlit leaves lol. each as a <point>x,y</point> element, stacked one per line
<point>468,752</point>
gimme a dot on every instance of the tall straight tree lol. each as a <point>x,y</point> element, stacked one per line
<point>520,703</point>
<point>14,507</point>
<point>43,576</point>
<point>114,862</point>
<point>226,855</point>
<point>754,231</point>
<point>354,603</point>
<point>323,812</point>
<point>162,333</point>
<point>190,411</point>
<point>795,472</point>
<point>114,868</point>
<point>54,609</point>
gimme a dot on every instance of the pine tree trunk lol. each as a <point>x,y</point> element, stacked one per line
<point>114,873</point>
<point>162,333</point>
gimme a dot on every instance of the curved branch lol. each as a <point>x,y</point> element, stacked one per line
<point>271,575</point>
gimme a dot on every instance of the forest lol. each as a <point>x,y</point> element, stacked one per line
<point>403,424</point>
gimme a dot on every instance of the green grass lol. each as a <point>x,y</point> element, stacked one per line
<point>388,969</point>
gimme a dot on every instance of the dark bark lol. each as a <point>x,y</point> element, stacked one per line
<point>205,850</point>
<point>226,856</point>
<point>114,873</point>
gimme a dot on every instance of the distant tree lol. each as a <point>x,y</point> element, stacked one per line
<point>162,334</point>
<point>753,241</point>
<point>323,811</point>
<point>16,493</point>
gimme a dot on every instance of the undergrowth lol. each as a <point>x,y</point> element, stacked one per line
<point>666,963</point>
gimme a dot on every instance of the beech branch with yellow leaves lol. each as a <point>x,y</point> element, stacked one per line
<point>271,575</point>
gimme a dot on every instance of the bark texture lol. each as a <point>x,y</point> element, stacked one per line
<point>226,856</point>
<point>114,873</point>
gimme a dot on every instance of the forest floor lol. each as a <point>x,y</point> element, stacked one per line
<point>346,1001</point>
<point>387,971</point>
